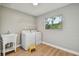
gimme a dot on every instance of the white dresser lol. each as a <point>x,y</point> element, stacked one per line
<point>30,37</point>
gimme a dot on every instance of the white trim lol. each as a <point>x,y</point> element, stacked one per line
<point>18,45</point>
<point>64,49</point>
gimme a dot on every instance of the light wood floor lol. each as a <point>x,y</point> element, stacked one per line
<point>41,50</point>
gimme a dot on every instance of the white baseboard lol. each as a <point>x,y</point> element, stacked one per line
<point>18,45</point>
<point>64,49</point>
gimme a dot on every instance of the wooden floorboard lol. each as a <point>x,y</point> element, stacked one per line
<point>41,50</point>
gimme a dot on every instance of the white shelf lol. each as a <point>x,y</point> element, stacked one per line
<point>8,38</point>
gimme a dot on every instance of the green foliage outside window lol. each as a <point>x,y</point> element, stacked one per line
<point>54,23</point>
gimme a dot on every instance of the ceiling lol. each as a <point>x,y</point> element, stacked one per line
<point>35,10</point>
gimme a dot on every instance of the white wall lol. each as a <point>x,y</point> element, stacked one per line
<point>0,18</point>
<point>14,21</point>
<point>68,37</point>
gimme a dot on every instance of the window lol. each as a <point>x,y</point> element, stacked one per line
<point>54,22</point>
